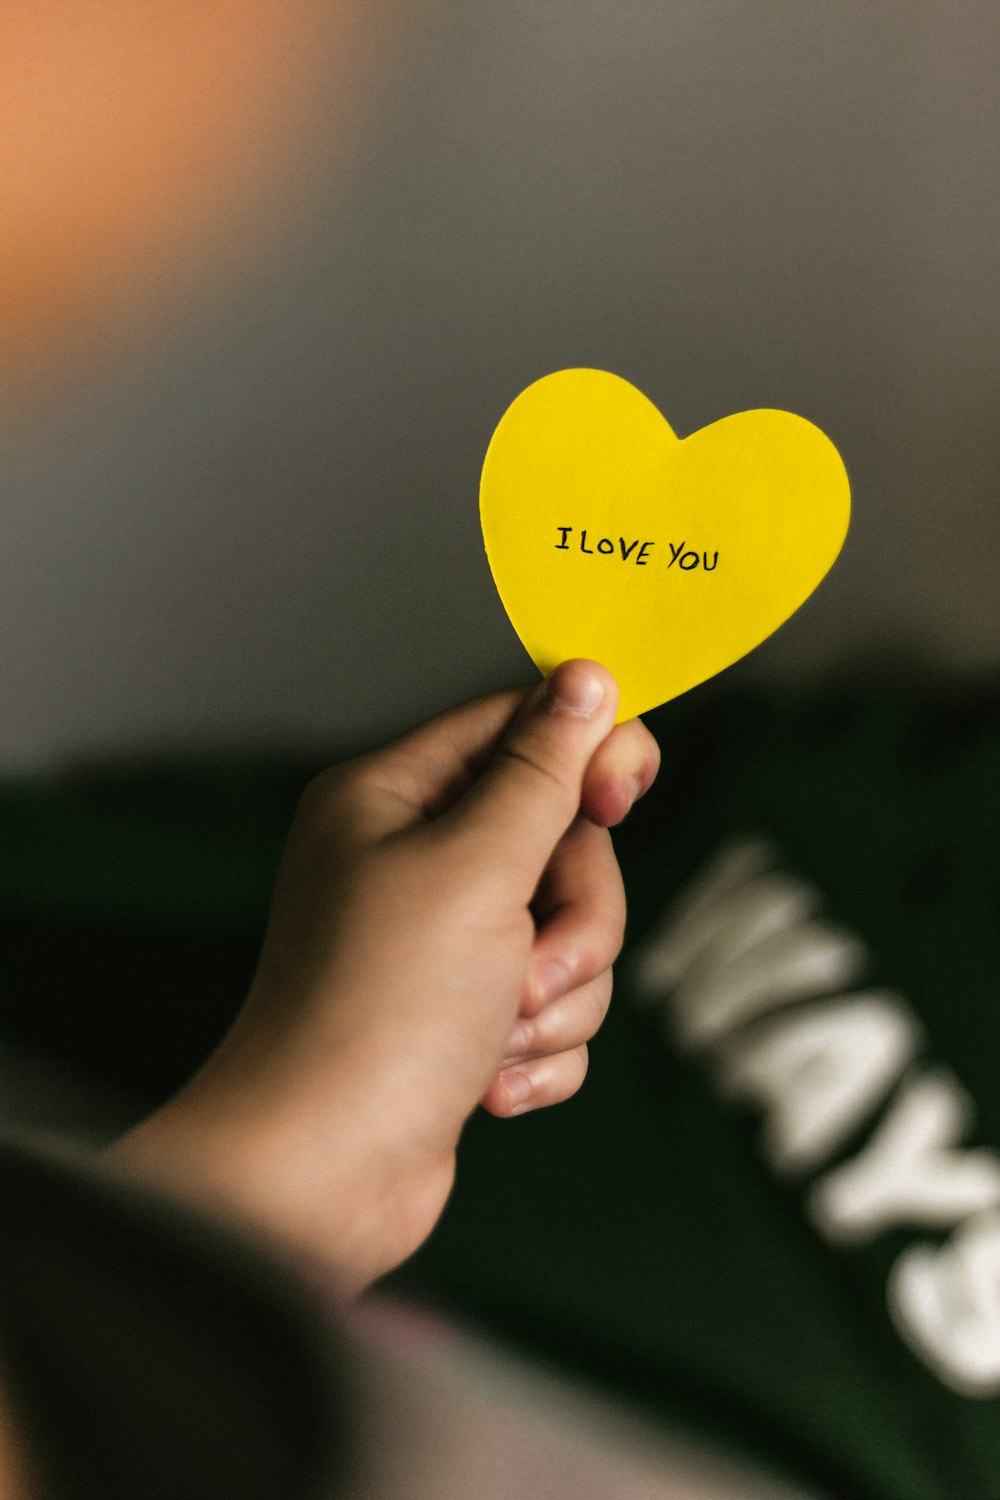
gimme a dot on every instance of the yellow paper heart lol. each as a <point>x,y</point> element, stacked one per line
<point>666,559</point>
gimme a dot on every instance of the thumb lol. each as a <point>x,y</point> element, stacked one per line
<point>529,793</point>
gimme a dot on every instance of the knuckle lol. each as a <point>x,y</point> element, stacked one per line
<point>605,944</point>
<point>612,939</point>
<point>528,758</point>
<point>578,1062</point>
<point>330,817</point>
<point>616,909</point>
<point>329,790</point>
<point>337,801</point>
<point>654,756</point>
<point>598,1000</point>
<point>574,1020</point>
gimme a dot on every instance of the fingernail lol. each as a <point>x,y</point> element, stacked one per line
<point>518,1086</point>
<point>552,980</point>
<point>519,1040</point>
<point>576,689</point>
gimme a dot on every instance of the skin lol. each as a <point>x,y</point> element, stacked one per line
<point>443,928</point>
<point>427,889</point>
<point>411,968</point>
<point>442,934</point>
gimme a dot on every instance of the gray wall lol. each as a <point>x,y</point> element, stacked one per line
<point>259,523</point>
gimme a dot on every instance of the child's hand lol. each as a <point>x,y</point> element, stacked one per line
<point>443,929</point>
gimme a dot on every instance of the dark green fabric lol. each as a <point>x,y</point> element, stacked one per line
<point>132,905</point>
<point>636,1232</point>
<point>634,1235</point>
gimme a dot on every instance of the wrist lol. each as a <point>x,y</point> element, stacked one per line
<point>322,1175</point>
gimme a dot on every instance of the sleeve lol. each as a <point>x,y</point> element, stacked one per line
<point>150,1354</point>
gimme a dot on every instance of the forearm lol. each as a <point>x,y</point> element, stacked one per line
<point>307,1165</point>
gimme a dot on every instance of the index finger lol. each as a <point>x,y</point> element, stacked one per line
<point>621,770</point>
<point>580,913</point>
<point>425,771</point>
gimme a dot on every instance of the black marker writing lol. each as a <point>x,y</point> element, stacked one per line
<point>689,560</point>
<point>685,558</point>
<point>606,546</point>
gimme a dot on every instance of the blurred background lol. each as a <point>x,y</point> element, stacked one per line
<point>270,273</point>
<point>274,274</point>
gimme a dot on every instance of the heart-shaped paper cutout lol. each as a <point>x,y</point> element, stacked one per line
<point>666,559</point>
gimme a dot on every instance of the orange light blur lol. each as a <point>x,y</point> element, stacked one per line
<point>138,139</point>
